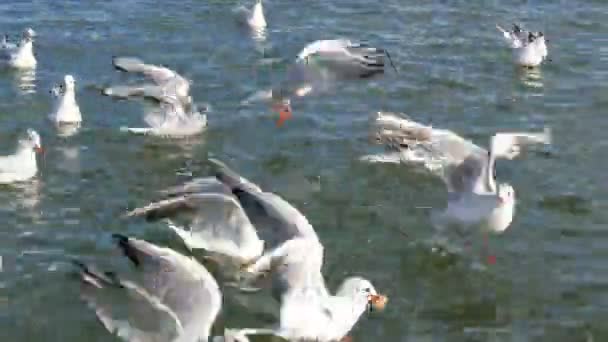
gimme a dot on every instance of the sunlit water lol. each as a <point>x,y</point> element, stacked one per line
<point>550,279</point>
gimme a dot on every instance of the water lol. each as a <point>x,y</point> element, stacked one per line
<point>550,279</point>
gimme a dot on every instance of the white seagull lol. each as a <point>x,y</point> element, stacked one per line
<point>229,215</point>
<point>176,114</point>
<point>22,165</point>
<point>166,82</point>
<point>474,197</point>
<point>307,315</point>
<point>19,56</point>
<point>319,65</point>
<point>177,299</point>
<point>66,109</point>
<point>226,216</point>
<point>172,119</point>
<point>529,48</point>
<point>254,18</point>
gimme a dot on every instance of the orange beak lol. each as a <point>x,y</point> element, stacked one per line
<point>377,302</point>
<point>39,149</point>
<point>284,111</point>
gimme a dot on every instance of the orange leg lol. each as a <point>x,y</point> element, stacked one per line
<point>490,259</point>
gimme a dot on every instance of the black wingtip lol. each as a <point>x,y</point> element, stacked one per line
<point>79,264</point>
<point>125,246</point>
<point>120,238</point>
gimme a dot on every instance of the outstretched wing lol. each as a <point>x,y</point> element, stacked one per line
<point>160,75</point>
<point>218,223</point>
<point>515,38</point>
<point>277,220</point>
<point>125,309</point>
<point>345,59</point>
<point>456,160</point>
<point>174,285</point>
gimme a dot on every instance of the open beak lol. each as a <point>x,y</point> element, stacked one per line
<point>377,302</point>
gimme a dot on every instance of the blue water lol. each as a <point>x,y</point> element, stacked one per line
<point>550,279</point>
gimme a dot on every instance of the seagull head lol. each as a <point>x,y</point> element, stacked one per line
<point>29,34</point>
<point>506,193</point>
<point>32,141</point>
<point>362,289</point>
<point>516,28</point>
<point>69,82</point>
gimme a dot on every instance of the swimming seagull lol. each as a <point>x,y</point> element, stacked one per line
<point>172,118</point>
<point>529,48</point>
<point>166,82</point>
<point>254,18</point>
<point>66,110</point>
<point>178,299</point>
<point>474,197</point>
<point>21,165</point>
<point>319,65</point>
<point>222,212</point>
<point>176,114</point>
<point>19,56</point>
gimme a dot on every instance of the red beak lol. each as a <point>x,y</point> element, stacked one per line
<point>284,111</point>
<point>39,149</point>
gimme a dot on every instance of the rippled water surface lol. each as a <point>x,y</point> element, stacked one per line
<point>550,280</point>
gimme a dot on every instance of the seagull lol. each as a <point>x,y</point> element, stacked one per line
<point>529,48</point>
<point>166,82</point>
<point>67,110</point>
<point>233,217</point>
<point>176,114</point>
<point>318,66</point>
<point>178,299</point>
<point>172,119</point>
<point>221,213</point>
<point>19,56</point>
<point>254,18</point>
<point>474,197</point>
<point>308,316</point>
<point>21,166</point>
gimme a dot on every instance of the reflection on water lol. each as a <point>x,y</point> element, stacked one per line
<point>25,197</point>
<point>25,80</point>
<point>67,129</point>
<point>70,159</point>
<point>259,36</point>
<point>532,78</point>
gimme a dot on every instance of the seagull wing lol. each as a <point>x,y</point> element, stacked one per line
<point>160,75</point>
<point>178,298</point>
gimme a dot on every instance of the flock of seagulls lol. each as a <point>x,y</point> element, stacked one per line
<point>235,222</point>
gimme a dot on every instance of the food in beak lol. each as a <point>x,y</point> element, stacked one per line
<point>377,302</point>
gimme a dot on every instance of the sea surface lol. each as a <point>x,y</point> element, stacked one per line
<point>550,279</point>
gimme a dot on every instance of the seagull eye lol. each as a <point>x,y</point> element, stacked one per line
<point>367,290</point>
